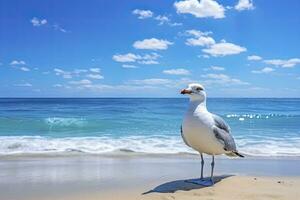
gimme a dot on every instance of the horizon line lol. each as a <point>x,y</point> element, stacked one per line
<point>146,97</point>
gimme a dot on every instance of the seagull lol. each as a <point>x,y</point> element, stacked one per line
<point>205,132</point>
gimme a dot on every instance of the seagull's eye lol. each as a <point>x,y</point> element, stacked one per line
<point>199,89</point>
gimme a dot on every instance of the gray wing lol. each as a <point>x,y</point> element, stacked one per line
<point>220,123</point>
<point>222,133</point>
<point>225,138</point>
<point>183,136</point>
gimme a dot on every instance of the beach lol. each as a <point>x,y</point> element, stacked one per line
<point>135,176</point>
<point>139,100</point>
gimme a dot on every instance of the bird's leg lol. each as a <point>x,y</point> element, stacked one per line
<point>212,169</point>
<point>202,181</point>
<point>202,165</point>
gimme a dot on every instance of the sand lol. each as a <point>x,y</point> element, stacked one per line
<point>229,188</point>
<point>160,177</point>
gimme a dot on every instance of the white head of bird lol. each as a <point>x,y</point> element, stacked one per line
<point>195,91</point>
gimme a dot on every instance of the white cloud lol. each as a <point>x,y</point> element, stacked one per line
<point>152,44</point>
<point>24,85</point>
<point>197,33</point>
<point>95,70</point>
<point>25,69</point>
<point>222,79</point>
<point>38,22</point>
<point>200,8</point>
<point>151,56</point>
<point>217,68</point>
<point>199,38</point>
<point>214,68</point>
<point>151,81</point>
<point>200,41</point>
<point>244,5</point>
<point>17,62</point>
<point>149,59</point>
<point>163,19</point>
<point>41,22</point>
<point>283,63</point>
<point>94,76</point>
<point>146,59</point>
<point>179,71</point>
<point>129,66</point>
<point>143,14</point>
<point>129,57</point>
<point>78,71</point>
<point>64,74</point>
<point>265,70</point>
<point>149,62</point>
<point>175,24</point>
<point>254,57</point>
<point>150,86</point>
<point>71,74</point>
<point>59,28</point>
<point>123,88</point>
<point>97,87</point>
<point>81,82</point>
<point>203,39</point>
<point>224,48</point>
<point>58,71</point>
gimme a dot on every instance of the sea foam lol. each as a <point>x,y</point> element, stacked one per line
<point>141,144</point>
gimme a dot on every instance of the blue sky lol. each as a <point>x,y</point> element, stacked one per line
<point>139,48</point>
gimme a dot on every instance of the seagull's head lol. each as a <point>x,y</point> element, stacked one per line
<point>195,91</point>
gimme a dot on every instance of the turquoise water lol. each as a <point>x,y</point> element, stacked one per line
<point>261,127</point>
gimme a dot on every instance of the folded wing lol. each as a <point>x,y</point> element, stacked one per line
<point>222,133</point>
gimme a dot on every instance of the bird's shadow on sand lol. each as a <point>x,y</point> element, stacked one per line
<point>173,186</point>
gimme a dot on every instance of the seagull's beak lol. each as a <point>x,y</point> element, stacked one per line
<point>186,91</point>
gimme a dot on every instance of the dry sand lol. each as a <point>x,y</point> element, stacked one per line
<point>237,188</point>
<point>227,188</point>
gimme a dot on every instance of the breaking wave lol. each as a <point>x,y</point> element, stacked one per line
<point>62,121</point>
<point>260,146</point>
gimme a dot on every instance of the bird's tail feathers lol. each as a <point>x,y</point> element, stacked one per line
<point>234,154</point>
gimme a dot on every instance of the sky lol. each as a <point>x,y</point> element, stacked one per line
<point>149,48</point>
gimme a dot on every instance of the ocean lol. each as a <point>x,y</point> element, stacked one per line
<point>261,126</point>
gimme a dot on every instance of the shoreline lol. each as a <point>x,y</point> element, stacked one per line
<point>127,177</point>
<point>138,155</point>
